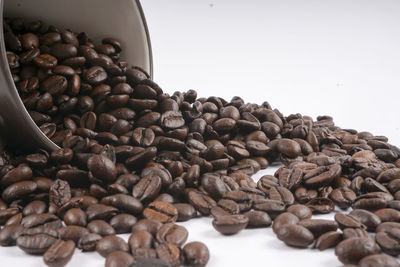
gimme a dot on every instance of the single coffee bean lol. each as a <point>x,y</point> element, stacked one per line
<point>111,243</point>
<point>35,244</point>
<point>59,254</point>
<point>389,241</point>
<point>72,232</point>
<point>319,226</point>
<point>196,254</point>
<point>378,260</point>
<point>9,234</point>
<point>169,253</point>
<point>75,216</point>
<point>230,224</point>
<point>123,223</point>
<point>88,242</point>
<point>283,219</point>
<point>185,211</point>
<point>101,227</point>
<point>172,233</point>
<point>328,240</point>
<point>351,250</point>
<point>257,219</point>
<point>147,225</point>
<point>119,259</point>
<point>295,235</point>
<point>163,212</point>
<point>301,211</point>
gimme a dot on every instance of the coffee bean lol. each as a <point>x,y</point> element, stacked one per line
<point>295,235</point>
<point>172,233</point>
<point>140,239</point>
<point>35,244</point>
<point>283,219</point>
<point>119,259</point>
<point>230,224</point>
<point>88,241</point>
<point>351,250</point>
<point>257,219</point>
<point>147,188</point>
<point>72,232</point>
<point>123,223</point>
<point>102,168</point>
<point>301,211</point>
<point>101,227</point>
<point>196,254</point>
<point>370,220</point>
<point>75,216</point>
<point>319,226</point>
<point>378,260</point>
<point>169,253</point>
<point>202,202</point>
<point>110,244</point>
<point>185,211</point>
<point>9,234</point>
<point>124,203</point>
<point>59,254</point>
<point>328,240</point>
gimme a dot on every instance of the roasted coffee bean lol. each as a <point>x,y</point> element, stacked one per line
<point>378,260</point>
<point>301,211</point>
<point>59,254</point>
<point>257,219</point>
<point>18,190</point>
<point>196,254</point>
<point>328,240</point>
<point>321,205</point>
<point>185,211</point>
<point>9,234</point>
<point>169,253</point>
<point>354,232</point>
<point>111,243</point>
<point>230,224</point>
<point>100,212</point>
<point>102,168</point>
<point>140,239</point>
<point>388,215</point>
<point>389,241</point>
<point>123,223</point>
<point>148,225</point>
<point>272,207</point>
<point>319,226</point>
<point>123,203</point>
<point>88,242</point>
<point>75,216</point>
<point>225,207</point>
<point>295,235</point>
<point>72,232</point>
<point>202,202</point>
<point>163,212</point>
<point>35,244</point>
<point>119,259</point>
<point>35,207</point>
<point>147,188</point>
<point>101,227</point>
<point>150,262</point>
<point>283,219</point>
<point>370,220</point>
<point>347,221</point>
<point>351,250</point>
<point>172,233</point>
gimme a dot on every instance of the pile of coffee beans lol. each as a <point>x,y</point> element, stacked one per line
<point>136,160</point>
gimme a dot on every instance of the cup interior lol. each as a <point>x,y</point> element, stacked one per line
<point>123,20</point>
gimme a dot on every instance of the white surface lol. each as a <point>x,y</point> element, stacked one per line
<point>339,58</point>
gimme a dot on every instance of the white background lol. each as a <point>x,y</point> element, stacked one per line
<point>338,58</point>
